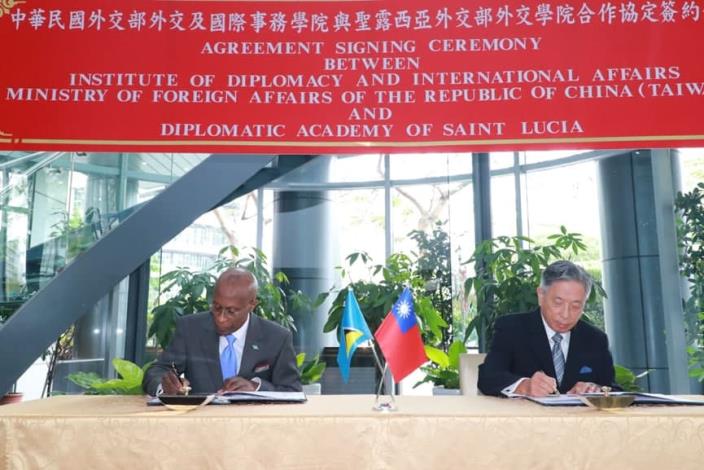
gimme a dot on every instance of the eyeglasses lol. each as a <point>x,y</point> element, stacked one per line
<point>229,312</point>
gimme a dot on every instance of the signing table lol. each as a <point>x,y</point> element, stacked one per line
<point>342,432</point>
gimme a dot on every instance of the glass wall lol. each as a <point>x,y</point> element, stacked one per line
<point>54,206</point>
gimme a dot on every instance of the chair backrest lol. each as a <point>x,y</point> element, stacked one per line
<point>469,372</point>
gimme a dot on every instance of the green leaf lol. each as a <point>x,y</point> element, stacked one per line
<point>85,379</point>
<point>129,371</point>
<point>453,354</point>
<point>437,356</point>
<point>312,371</point>
<point>322,297</point>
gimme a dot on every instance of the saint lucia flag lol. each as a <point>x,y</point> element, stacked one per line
<point>353,332</point>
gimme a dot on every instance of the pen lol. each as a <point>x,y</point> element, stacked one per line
<point>175,371</point>
<point>185,386</point>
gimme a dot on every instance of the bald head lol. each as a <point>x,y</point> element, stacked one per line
<point>234,298</point>
<point>239,279</point>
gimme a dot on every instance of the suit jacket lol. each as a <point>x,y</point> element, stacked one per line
<point>194,350</point>
<point>520,348</point>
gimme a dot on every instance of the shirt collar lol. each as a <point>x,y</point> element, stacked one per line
<point>550,333</point>
<point>241,333</point>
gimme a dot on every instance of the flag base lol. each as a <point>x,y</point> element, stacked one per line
<point>384,403</point>
<point>383,406</point>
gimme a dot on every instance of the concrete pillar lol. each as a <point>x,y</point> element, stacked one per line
<point>634,310</point>
<point>303,248</point>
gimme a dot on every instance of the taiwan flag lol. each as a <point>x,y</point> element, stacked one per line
<point>399,338</point>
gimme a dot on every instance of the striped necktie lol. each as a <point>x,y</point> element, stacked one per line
<point>558,358</point>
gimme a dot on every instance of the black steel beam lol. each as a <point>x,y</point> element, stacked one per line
<point>137,304</point>
<point>481,182</point>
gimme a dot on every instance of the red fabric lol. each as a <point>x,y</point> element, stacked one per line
<point>404,353</point>
<point>205,76</point>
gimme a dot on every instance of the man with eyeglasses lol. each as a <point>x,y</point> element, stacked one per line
<point>228,348</point>
<point>549,350</point>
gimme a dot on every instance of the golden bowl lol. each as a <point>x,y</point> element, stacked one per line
<point>610,402</point>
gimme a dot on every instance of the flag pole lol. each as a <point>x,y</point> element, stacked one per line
<point>376,356</point>
<point>381,405</point>
<point>381,368</point>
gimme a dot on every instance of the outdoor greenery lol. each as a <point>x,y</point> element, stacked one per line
<point>188,292</point>
<point>434,265</point>
<point>129,381</point>
<point>690,231</point>
<point>8,308</point>
<point>77,233</point>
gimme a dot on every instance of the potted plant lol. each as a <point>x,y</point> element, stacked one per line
<point>690,235</point>
<point>443,371</point>
<point>129,381</point>
<point>6,310</point>
<point>627,380</point>
<point>311,372</point>
<point>13,396</point>
<point>377,293</point>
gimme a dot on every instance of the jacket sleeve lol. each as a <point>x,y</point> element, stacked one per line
<point>495,373</point>
<point>284,376</point>
<point>173,356</point>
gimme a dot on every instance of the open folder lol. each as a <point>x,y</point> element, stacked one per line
<point>269,397</point>
<point>640,399</point>
<point>240,397</point>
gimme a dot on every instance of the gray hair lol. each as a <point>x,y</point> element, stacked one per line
<point>566,271</point>
<point>237,274</point>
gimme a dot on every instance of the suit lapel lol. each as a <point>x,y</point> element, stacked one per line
<point>251,346</point>
<point>210,343</point>
<point>574,355</point>
<point>540,345</point>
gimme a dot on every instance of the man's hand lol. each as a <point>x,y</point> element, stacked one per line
<point>172,385</point>
<point>238,384</point>
<point>539,385</point>
<point>584,387</point>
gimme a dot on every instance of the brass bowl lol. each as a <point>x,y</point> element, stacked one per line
<point>609,402</point>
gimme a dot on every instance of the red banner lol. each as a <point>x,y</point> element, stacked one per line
<point>349,76</point>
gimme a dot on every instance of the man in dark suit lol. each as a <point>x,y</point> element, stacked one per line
<point>228,348</point>
<point>550,349</point>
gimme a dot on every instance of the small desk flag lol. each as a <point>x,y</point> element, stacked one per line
<point>353,332</point>
<point>399,338</point>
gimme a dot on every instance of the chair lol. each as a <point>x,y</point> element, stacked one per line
<point>469,372</point>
